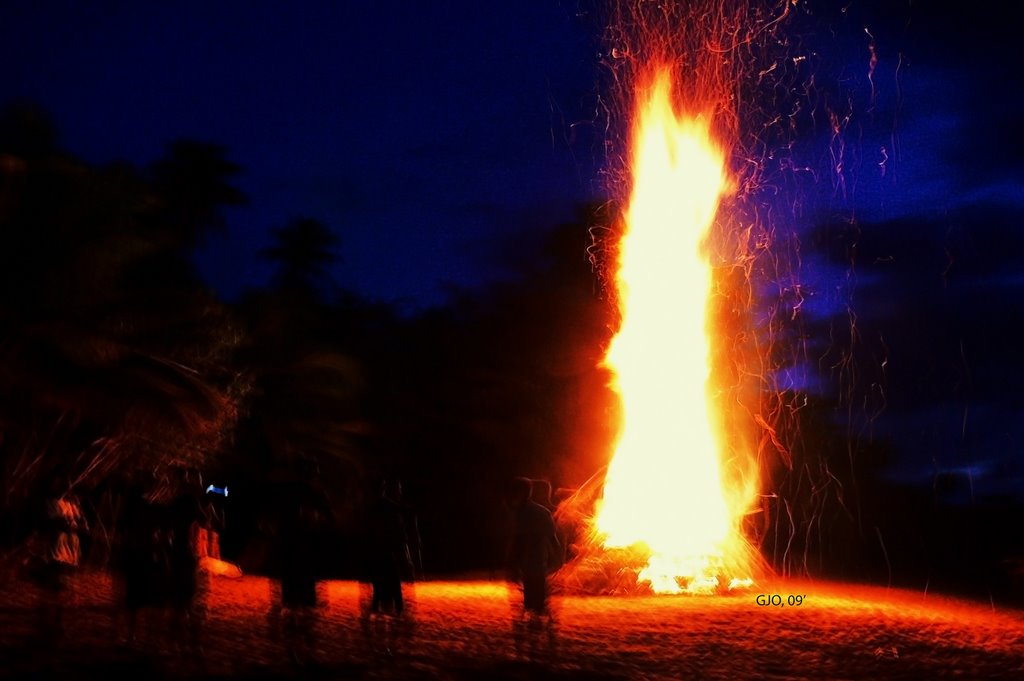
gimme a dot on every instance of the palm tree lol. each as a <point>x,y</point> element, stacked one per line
<point>304,250</point>
<point>192,184</point>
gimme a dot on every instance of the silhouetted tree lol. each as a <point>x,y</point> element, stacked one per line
<point>307,397</point>
<point>304,250</point>
<point>192,182</point>
<point>98,374</point>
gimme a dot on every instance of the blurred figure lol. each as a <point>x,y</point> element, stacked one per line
<point>303,523</point>
<point>185,516</point>
<point>533,552</point>
<point>392,556</point>
<point>392,544</point>
<point>137,560</point>
<point>59,554</point>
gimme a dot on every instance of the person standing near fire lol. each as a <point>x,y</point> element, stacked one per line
<point>184,516</point>
<point>392,548</point>
<point>391,557</point>
<point>533,552</point>
<point>304,521</point>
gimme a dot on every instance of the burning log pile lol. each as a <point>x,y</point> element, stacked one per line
<point>594,569</point>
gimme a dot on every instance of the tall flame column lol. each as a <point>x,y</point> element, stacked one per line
<point>663,487</point>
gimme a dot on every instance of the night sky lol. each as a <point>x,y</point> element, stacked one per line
<point>427,135</point>
<point>416,133</point>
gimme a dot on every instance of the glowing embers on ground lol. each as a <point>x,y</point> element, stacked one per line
<point>663,492</point>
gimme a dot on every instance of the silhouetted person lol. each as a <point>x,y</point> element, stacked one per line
<point>184,516</point>
<point>392,545</point>
<point>543,493</point>
<point>534,549</point>
<point>391,557</point>
<point>138,557</point>
<point>304,518</point>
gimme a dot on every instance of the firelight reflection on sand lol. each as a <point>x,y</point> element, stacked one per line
<point>664,487</point>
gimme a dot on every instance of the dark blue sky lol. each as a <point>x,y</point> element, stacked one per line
<point>428,134</point>
<point>424,133</point>
<point>417,131</point>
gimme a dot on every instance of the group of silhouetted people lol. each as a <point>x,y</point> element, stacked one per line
<point>390,557</point>
<point>164,529</point>
<point>156,557</point>
<point>300,525</point>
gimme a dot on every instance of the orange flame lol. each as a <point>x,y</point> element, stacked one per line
<point>664,488</point>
